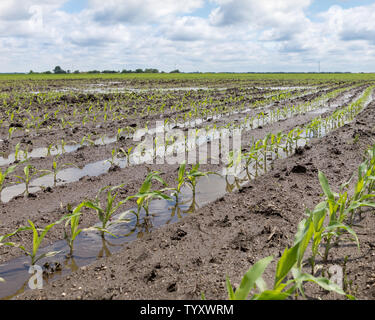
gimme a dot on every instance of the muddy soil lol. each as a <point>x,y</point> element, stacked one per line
<point>126,104</point>
<point>50,204</point>
<point>224,238</point>
<point>86,154</point>
<point>182,260</point>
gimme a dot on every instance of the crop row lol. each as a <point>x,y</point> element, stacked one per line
<point>189,119</point>
<point>323,227</point>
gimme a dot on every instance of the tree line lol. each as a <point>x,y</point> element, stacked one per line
<point>59,70</point>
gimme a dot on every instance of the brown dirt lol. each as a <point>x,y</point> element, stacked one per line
<point>182,260</point>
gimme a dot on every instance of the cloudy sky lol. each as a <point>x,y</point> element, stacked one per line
<point>191,35</point>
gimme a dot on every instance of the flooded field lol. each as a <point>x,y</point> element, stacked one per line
<point>125,187</point>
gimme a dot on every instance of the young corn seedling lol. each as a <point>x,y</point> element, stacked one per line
<point>49,149</point>
<point>333,207</point>
<point>264,149</point>
<point>250,157</point>
<point>106,212</point>
<point>63,145</point>
<point>10,132</point>
<point>145,194</point>
<point>112,161</point>
<point>56,168</point>
<point>126,153</point>
<point>234,163</point>
<point>29,172</point>
<point>191,177</point>
<point>119,134</point>
<point>37,241</point>
<point>4,242</point>
<point>88,139</point>
<point>17,151</point>
<point>74,229</point>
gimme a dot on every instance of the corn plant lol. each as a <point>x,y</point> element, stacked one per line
<point>106,212</point>
<point>37,241</point>
<point>10,132</point>
<point>191,177</point>
<point>29,171</point>
<point>112,161</point>
<point>334,207</point>
<point>126,153</point>
<point>73,221</point>
<point>119,134</point>
<point>145,194</point>
<point>16,152</point>
<point>56,168</point>
<point>180,180</point>
<point>49,149</point>
<point>289,263</point>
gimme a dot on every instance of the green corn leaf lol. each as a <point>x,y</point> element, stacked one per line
<point>285,264</point>
<point>325,186</point>
<point>35,237</point>
<point>249,279</point>
<point>304,238</point>
<point>229,289</point>
<point>325,283</point>
<point>47,255</point>
<point>271,295</point>
<point>102,230</point>
<point>319,215</point>
<point>261,284</point>
<point>146,186</point>
<point>338,225</point>
<point>181,171</point>
<point>90,204</point>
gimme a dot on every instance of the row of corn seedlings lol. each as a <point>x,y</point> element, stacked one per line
<point>261,119</point>
<point>326,223</point>
<point>196,107</point>
<point>105,210</point>
<point>115,109</point>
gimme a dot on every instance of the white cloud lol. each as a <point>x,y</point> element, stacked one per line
<point>140,12</point>
<point>238,35</point>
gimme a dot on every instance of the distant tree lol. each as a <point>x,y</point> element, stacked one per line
<point>109,71</point>
<point>139,71</point>
<point>93,71</point>
<point>126,71</point>
<point>175,71</point>
<point>47,72</point>
<point>76,71</point>
<point>151,70</point>
<point>58,70</point>
<point>31,72</point>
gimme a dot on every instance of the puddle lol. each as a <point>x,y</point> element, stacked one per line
<point>90,246</point>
